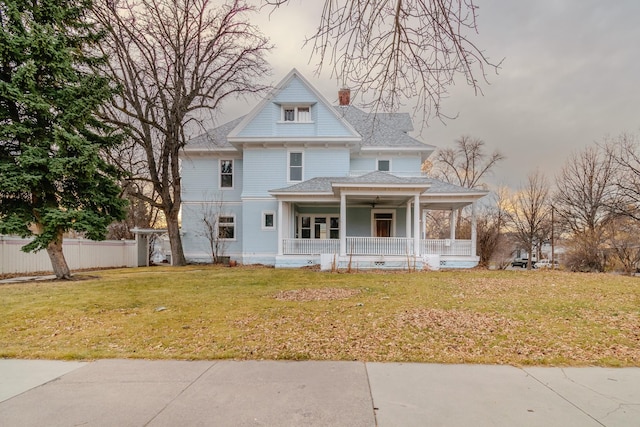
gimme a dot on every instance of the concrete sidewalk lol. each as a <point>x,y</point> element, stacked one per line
<point>270,393</point>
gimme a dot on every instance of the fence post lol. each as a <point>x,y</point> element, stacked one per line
<point>2,262</point>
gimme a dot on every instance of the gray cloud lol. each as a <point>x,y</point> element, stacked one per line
<point>569,77</point>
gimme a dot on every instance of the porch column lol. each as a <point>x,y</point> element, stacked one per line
<point>474,231</point>
<point>408,220</point>
<point>452,224</point>
<point>423,225</point>
<point>416,225</point>
<point>280,226</point>
<point>343,224</point>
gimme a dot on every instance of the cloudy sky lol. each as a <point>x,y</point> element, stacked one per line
<point>570,76</point>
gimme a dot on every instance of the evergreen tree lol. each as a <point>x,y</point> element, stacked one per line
<point>52,178</point>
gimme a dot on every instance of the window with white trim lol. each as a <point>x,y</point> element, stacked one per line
<point>268,220</point>
<point>296,113</point>
<point>334,227</point>
<point>304,114</point>
<point>295,166</point>
<point>226,173</point>
<point>227,227</point>
<point>289,114</point>
<point>384,165</point>
<point>318,227</point>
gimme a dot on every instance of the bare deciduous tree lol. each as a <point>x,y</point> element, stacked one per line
<point>491,220</point>
<point>173,59</point>
<point>622,241</point>
<point>585,193</point>
<point>529,211</point>
<point>216,236</point>
<point>400,50</point>
<point>466,163</point>
<point>625,151</point>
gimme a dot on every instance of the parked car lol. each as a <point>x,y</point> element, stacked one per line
<point>546,263</point>
<point>522,263</point>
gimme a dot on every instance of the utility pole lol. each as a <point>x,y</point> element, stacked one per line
<point>553,252</point>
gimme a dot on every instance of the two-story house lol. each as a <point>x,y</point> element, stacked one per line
<point>298,181</point>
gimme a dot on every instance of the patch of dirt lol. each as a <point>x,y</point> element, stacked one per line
<point>457,321</point>
<point>49,273</point>
<point>322,294</point>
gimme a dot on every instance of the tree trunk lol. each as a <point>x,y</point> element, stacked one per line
<point>58,262</point>
<point>177,253</point>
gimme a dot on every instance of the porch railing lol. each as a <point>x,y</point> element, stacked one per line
<point>311,246</point>
<point>445,247</point>
<point>377,246</point>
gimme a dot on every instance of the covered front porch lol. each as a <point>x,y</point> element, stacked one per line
<point>373,222</point>
<point>390,246</point>
<point>377,252</point>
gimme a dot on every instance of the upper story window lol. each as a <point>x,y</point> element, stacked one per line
<point>295,166</point>
<point>226,173</point>
<point>384,165</point>
<point>296,113</point>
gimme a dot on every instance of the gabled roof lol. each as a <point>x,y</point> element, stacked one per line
<point>326,185</point>
<point>382,131</point>
<point>235,134</point>
<point>373,132</point>
<point>215,139</point>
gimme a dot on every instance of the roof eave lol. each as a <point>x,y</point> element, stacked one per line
<point>428,148</point>
<point>289,139</point>
<point>209,150</point>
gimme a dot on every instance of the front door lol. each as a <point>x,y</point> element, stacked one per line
<point>383,224</point>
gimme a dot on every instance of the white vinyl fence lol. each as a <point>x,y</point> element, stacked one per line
<point>79,253</point>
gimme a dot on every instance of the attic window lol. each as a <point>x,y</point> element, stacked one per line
<point>384,165</point>
<point>296,114</point>
<point>289,114</point>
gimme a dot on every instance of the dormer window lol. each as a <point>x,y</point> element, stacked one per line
<point>384,165</point>
<point>289,114</point>
<point>296,113</point>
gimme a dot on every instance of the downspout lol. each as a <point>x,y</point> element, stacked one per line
<point>474,231</point>
<point>343,224</point>
<point>280,223</point>
<point>416,225</point>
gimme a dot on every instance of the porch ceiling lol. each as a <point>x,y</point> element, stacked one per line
<point>381,200</point>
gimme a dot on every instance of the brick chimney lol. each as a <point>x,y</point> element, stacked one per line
<point>344,96</point>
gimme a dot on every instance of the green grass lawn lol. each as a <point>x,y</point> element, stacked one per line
<point>205,312</point>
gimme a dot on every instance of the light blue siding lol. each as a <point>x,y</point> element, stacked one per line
<point>405,164</point>
<point>401,165</point>
<point>258,242</point>
<point>312,210</point>
<point>264,123</point>
<point>301,130</point>
<point>194,238</point>
<point>249,259</point>
<point>320,162</point>
<point>267,122</point>
<point>362,164</point>
<point>264,170</point>
<point>359,222</point>
<point>201,179</point>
